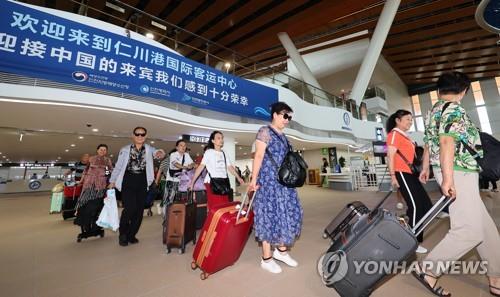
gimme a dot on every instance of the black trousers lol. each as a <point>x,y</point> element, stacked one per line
<point>416,198</point>
<point>134,191</point>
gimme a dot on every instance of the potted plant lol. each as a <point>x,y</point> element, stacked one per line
<point>342,161</point>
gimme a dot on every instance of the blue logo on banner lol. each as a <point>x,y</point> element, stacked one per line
<point>38,44</point>
<point>144,89</point>
<point>80,76</point>
<point>261,111</point>
<point>186,98</point>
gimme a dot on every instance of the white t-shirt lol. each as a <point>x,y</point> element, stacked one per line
<point>214,162</point>
<point>176,157</point>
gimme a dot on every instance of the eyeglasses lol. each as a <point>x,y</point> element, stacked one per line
<point>140,134</point>
<point>286,116</point>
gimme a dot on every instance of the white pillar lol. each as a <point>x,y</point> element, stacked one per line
<point>304,70</point>
<point>374,49</point>
<point>297,60</point>
<point>230,150</point>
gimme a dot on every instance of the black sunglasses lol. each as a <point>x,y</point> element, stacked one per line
<point>286,116</point>
<point>140,134</point>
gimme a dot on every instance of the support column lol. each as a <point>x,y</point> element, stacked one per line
<point>374,49</point>
<point>297,60</point>
<point>319,96</point>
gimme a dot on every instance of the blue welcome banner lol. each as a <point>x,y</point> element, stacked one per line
<point>42,45</point>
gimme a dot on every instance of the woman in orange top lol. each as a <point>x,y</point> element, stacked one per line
<point>400,153</point>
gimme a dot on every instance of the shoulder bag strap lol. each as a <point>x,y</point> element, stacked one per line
<point>471,151</point>
<point>269,152</point>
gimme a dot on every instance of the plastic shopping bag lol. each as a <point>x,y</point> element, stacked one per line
<point>109,214</point>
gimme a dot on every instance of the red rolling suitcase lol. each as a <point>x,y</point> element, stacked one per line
<point>223,236</point>
<point>71,193</point>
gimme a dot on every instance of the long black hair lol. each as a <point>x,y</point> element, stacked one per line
<point>210,144</point>
<point>391,121</point>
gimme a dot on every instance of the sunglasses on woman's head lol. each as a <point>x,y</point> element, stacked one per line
<point>140,134</point>
<point>286,116</point>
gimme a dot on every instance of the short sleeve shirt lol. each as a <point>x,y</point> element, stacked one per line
<point>454,122</point>
<point>216,164</point>
<point>176,157</point>
<point>400,140</point>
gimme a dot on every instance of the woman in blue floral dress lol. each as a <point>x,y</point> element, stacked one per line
<point>278,213</point>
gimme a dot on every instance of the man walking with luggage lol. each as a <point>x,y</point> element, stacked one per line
<point>133,175</point>
<point>456,170</point>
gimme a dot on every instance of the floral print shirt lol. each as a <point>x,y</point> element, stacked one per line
<point>137,159</point>
<point>454,122</point>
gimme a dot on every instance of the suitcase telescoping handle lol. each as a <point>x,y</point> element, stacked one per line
<point>383,200</point>
<point>431,214</point>
<point>242,205</point>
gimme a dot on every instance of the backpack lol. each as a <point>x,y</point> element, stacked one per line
<point>292,172</point>
<point>490,162</point>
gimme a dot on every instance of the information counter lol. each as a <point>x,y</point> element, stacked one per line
<point>339,181</point>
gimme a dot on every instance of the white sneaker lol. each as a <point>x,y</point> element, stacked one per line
<point>421,250</point>
<point>285,258</point>
<point>443,215</point>
<point>270,266</point>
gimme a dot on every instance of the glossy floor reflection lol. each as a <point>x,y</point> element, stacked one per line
<point>39,256</point>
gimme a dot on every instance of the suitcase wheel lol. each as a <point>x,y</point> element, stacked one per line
<point>168,250</point>
<point>193,265</point>
<point>79,239</point>
<point>204,275</point>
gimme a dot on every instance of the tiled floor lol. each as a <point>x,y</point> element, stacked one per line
<point>39,256</point>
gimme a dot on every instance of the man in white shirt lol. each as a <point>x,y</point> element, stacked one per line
<point>179,160</point>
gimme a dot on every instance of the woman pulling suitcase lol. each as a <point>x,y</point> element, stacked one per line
<point>90,202</point>
<point>218,165</point>
<point>278,213</point>
<point>401,153</point>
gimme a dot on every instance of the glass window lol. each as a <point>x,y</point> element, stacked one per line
<point>416,105</point>
<point>420,124</point>
<point>484,120</point>
<point>476,91</point>
<point>497,79</point>
<point>434,97</point>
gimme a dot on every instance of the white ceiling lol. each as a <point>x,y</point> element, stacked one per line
<point>51,129</point>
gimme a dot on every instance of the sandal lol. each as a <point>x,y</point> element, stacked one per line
<point>494,294</point>
<point>421,278</point>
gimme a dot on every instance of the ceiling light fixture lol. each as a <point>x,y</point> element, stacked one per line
<point>158,25</point>
<point>21,134</point>
<point>152,142</point>
<point>66,150</point>
<point>115,7</point>
<point>227,65</point>
<point>150,35</point>
<point>80,137</point>
<point>95,130</point>
<point>73,145</point>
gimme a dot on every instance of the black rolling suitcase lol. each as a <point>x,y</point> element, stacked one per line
<point>201,208</point>
<point>376,237</point>
<point>348,215</point>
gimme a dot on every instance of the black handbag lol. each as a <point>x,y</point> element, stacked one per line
<point>415,167</point>
<point>220,185</point>
<point>293,170</point>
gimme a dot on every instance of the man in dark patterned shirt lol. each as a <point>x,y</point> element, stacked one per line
<point>133,176</point>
